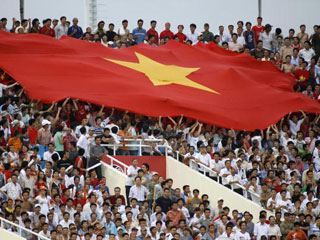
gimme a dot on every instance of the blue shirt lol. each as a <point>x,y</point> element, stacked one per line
<point>78,34</point>
<point>139,35</point>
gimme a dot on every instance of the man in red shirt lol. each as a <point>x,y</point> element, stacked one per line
<point>182,37</point>
<point>316,92</point>
<point>152,31</point>
<point>46,30</point>
<point>302,76</point>
<point>166,32</point>
<point>257,29</point>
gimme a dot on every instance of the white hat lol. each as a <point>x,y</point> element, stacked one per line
<point>46,122</point>
<point>14,122</point>
<point>110,42</point>
<point>220,199</point>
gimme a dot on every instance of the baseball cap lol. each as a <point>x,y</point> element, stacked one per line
<point>45,122</point>
<point>220,199</point>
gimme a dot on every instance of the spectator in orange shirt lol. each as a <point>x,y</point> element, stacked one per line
<point>175,215</point>
<point>15,141</point>
<point>297,233</point>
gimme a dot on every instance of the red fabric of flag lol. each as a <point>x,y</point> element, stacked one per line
<point>202,82</point>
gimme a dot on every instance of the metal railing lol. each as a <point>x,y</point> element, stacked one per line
<point>7,225</point>
<point>176,155</point>
<point>140,143</point>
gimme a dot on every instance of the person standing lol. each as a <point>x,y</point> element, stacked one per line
<point>62,29</point>
<point>139,33</point>
<point>152,31</point>
<point>96,154</point>
<point>132,172</point>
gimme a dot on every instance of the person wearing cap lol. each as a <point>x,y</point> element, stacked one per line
<point>44,134</point>
<point>166,32</point>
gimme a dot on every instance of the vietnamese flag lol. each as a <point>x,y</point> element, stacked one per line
<point>202,82</point>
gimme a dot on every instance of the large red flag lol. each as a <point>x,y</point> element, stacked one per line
<point>203,82</point>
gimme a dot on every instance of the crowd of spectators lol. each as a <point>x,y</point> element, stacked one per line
<point>46,150</point>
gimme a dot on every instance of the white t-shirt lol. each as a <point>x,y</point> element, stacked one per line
<point>295,127</point>
<point>261,230</point>
<point>242,236</point>
<point>234,178</point>
<point>134,172</point>
<point>274,231</point>
<point>203,158</point>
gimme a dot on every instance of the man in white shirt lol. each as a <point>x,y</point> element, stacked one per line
<point>242,234</point>
<point>216,166</point>
<point>274,229</point>
<point>66,221</point>
<point>225,172</point>
<point>283,203</point>
<point>203,158</point>
<point>84,123</point>
<point>295,123</point>
<point>12,189</point>
<point>234,181</point>
<point>261,228</point>
<point>138,191</point>
<point>307,53</point>
<point>62,29</point>
<point>132,172</point>
<point>83,142</point>
<point>47,156</point>
<point>193,36</point>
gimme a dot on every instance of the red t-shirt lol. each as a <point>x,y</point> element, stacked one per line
<point>44,30</point>
<point>166,33</point>
<point>156,35</point>
<point>33,135</point>
<point>257,30</point>
<point>182,37</point>
<point>298,46</point>
<point>81,113</point>
<point>302,77</point>
<point>315,95</point>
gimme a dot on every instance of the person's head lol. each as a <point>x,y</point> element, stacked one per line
<point>75,22</point>
<point>259,20</point>
<point>193,27</point>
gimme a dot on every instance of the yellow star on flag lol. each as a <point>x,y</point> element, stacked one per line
<point>160,74</point>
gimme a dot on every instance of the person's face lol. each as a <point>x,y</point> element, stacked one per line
<point>48,23</point>
<point>101,25</point>
<point>206,28</point>
<point>259,45</point>
<point>166,193</point>
<point>75,21</point>
<point>140,24</point>
<point>111,27</point>
<point>98,141</point>
<point>125,24</point>
<point>192,28</point>
<point>306,45</point>
<point>259,21</point>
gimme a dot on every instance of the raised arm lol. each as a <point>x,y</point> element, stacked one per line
<point>75,104</point>
<point>101,110</point>
<point>160,123</point>
<point>65,102</point>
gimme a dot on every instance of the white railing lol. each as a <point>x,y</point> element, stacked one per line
<point>140,144</point>
<point>20,229</point>
<point>114,160</point>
